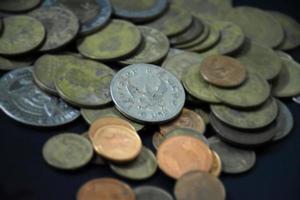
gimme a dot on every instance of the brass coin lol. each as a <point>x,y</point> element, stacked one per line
<point>223,71</point>
<point>217,165</point>
<point>21,35</point>
<point>204,114</point>
<point>115,41</point>
<point>18,5</point>
<point>7,64</point>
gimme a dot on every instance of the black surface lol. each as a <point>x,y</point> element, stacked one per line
<point>25,176</point>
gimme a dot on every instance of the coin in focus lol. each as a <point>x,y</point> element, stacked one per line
<point>151,193</point>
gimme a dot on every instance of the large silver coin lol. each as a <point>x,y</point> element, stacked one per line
<point>23,101</point>
<point>147,93</point>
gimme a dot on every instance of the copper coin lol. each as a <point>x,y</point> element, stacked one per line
<point>216,168</point>
<point>223,71</point>
<point>105,189</point>
<point>117,143</point>
<point>181,154</point>
<point>187,119</point>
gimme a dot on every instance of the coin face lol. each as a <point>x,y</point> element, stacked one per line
<point>18,5</point>
<point>234,160</point>
<point>223,71</point>
<point>67,151</point>
<point>151,193</point>
<point>143,167</point>
<point>21,35</point>
<point>61,26</point>
<point>106,189</point>
<point>147,93</point>
<point>199,185</point>
<point>24,102</point>
<point>181,154</point>
<point>155,48</point>
<point>116,41</point>
<point>217,165</point>
<point>7,64</point>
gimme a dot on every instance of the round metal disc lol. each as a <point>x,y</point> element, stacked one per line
<point>151,193</point>
<point>18,5</point>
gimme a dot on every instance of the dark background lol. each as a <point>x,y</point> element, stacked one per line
<point>25,176</point>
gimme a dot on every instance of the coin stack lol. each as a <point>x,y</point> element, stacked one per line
<point>202,76</point>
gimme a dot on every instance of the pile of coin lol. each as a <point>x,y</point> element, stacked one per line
<point>179,69</point>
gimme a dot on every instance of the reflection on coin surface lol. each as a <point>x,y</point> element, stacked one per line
<point>18,5</point>
<point>151,193</point>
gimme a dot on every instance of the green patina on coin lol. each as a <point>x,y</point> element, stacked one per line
<point>21,35</point>
<point>142,168</point>
<point>18,5</point>
<point>247,119</point>
<point>253,92</point>
<point>86,86</point>
<point>203,114</point>
<point>14,63</point>
<point>196,86</point>
<point>67,151</point>
<point>259,59</point>
<point>91,115</point>
<point>117,40</point>
<point>155,48</point>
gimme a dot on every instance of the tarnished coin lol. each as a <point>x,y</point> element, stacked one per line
<point>174,52</point>
<point>181,154</point>
<point>151,193</point>
<point>83,86</point>
<point>185,132</point>
<point>18,5</point>
<point>196,86</point>
<point>117,143</point>
<point>247,119</point>
<point>173,22</point>
<point>106,189</point>
<point>260,59</point>
<point>92,14</point>
<point>67,151</point>
<point>147,93</point>
<point>61,26</point>
<point>257,25</point>
<point>223,71</point>
<point>187,119</point>
<point>7,64</point>
<point>21,35</point>
<point>24,102</point>
<point>139,11</point>
<point>157,139</point>
<point>234,160</point>
<point>199,185</point>
<point>216,168</point>
<point>204,114</point>
<point>91,115</point>
<point>253,92</point>
<point>155,47</point>
<point>143,167</point>
<point>117,40</point>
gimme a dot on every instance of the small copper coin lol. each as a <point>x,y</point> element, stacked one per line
<point>216,168</point>
<point>223,71</point>
<point>117,143</point>
<point>181,154</point>
<point>187,119</point>
<point>105,189</point>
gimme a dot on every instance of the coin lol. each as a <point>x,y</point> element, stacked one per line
<point>106,189</point>
<point>223,71</point>
<point>259,59</point>
<point>84,87</point>
<point>204,114</point>
<point>155,48</point>
<point>157,139</point>
<point>196,86</point>
<point>234,160</point>
<point>91,115</point>
<point>18,5</point>
<point>151,193</point>
<point>173,22</point>
<point>116,41</point>
<point>21,35</point>
<point>181,154</point>
<point>139,11</point>
<point>7,64</point>
<point>257,25</point>
<point>143,167</point>
<point>174,52</point>
<point>67,151</point>
<point>61,26</point>
<point>25,103</point>
<point>199,185</point>
<point>185,132</point>
<point>255,118</point>
<point>117,143</point>
<point>92,14</point>
<point>217,165</point>
<point>253,92</point>
<point>147,93</point>
<point>187,119</point>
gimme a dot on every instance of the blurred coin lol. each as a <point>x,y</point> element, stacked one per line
<point>185,132</point>
<point>67,151</point>
<point>117,40</point>
<point>296,99</point>
<point>157,139</point>
<point>204,114</point>
<point>217,165</point>
<point>174,52</point>
<point>18,5</point>
<point>151,193</point>
<point>7,64</point>
<point>21,35</point>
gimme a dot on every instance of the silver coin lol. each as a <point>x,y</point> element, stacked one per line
<point>147,93</point>
<point>23,101</point>
<point>151,193</point>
